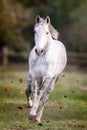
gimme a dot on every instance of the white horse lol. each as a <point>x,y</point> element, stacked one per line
<point>46,61</point>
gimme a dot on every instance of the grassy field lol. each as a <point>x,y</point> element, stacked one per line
<point>66,108</point>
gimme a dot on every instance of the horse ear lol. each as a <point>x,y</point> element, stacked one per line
<point>47,20</point>
<point>37,20</point>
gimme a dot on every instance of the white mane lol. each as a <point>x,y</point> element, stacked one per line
<point>54,32</point>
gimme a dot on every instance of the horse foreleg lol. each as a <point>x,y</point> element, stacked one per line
<point>32,115</point>
<point>44,85</point>
<point>28,91</point>
<point>45,98</point>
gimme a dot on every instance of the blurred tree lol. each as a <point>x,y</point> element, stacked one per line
<point>16,22</point>
<point>64,16</point>
<point>29,3</point>
<point>13,18</point>
<point>59,11</point>
<point>75,34</point>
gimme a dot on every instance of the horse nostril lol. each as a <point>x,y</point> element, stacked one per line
<point>36,50</point>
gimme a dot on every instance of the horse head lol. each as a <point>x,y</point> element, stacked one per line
<point>41,34</point>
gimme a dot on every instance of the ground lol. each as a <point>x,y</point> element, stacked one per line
<point>66,108</point>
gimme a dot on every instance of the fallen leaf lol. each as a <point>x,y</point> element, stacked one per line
<point>6,89</point>
<point>72,91</point>
<point>48,121</point>
<point>21,116</point>
<point>21,92</point>
<point>63,75</point>
<point>20,80</point>
<point>1,99</point>
<point>20,126</point>
<point>12,81</point>
<point>60,107</point>
<point>77,81</point>
<point>40,124</point>
<point>41,98</point>
<point>20,108</point>
<point>65,96</point>
<point>26,106</point>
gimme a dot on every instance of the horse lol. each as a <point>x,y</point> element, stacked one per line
<point>47,60</point>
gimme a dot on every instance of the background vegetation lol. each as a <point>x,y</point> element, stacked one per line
<point>68,17</point>
<point>66,108</point>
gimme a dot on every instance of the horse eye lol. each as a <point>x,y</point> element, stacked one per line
<point>34,31</point>
<point>47,32</point>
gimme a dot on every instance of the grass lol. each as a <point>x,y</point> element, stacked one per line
<point>66,108</point>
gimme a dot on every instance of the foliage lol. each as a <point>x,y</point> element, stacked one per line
<point>59,11</point>
<point>70,18</point>
<point>67,16</point>
<point>13,18</point>
<point>79,28</point>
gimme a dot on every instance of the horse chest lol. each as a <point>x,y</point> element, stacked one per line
<point>39,66</point>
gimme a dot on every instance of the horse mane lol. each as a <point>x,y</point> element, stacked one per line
<point>53,31</point>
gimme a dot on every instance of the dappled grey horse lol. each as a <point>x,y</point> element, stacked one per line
<point>47,60</point>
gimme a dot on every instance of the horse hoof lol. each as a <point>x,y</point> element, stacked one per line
<point>31,117</point>
<point>29,106</point>
<point>37,121</point>
<point>29,102</point>
<point>40,124</point>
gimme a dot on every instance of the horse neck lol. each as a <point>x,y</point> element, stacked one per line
<point>50,39</point>
<point>48,45</point>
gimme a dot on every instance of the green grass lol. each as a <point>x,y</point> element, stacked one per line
<point>66,108</point>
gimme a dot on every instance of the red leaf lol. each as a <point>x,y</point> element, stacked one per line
<point>6,89</point>
<point>12,81</point>
<point>20,80</point>
<point>61,107</point>
<point>20,108</point>
<point>48,121</point>
<point>72,91</point>
<point>26,106</point>
<point>77,81</point>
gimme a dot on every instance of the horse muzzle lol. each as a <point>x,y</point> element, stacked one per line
<point>39,52</point>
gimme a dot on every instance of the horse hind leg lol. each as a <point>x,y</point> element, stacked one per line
<point>33,111</point>
<point>45,98</point>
